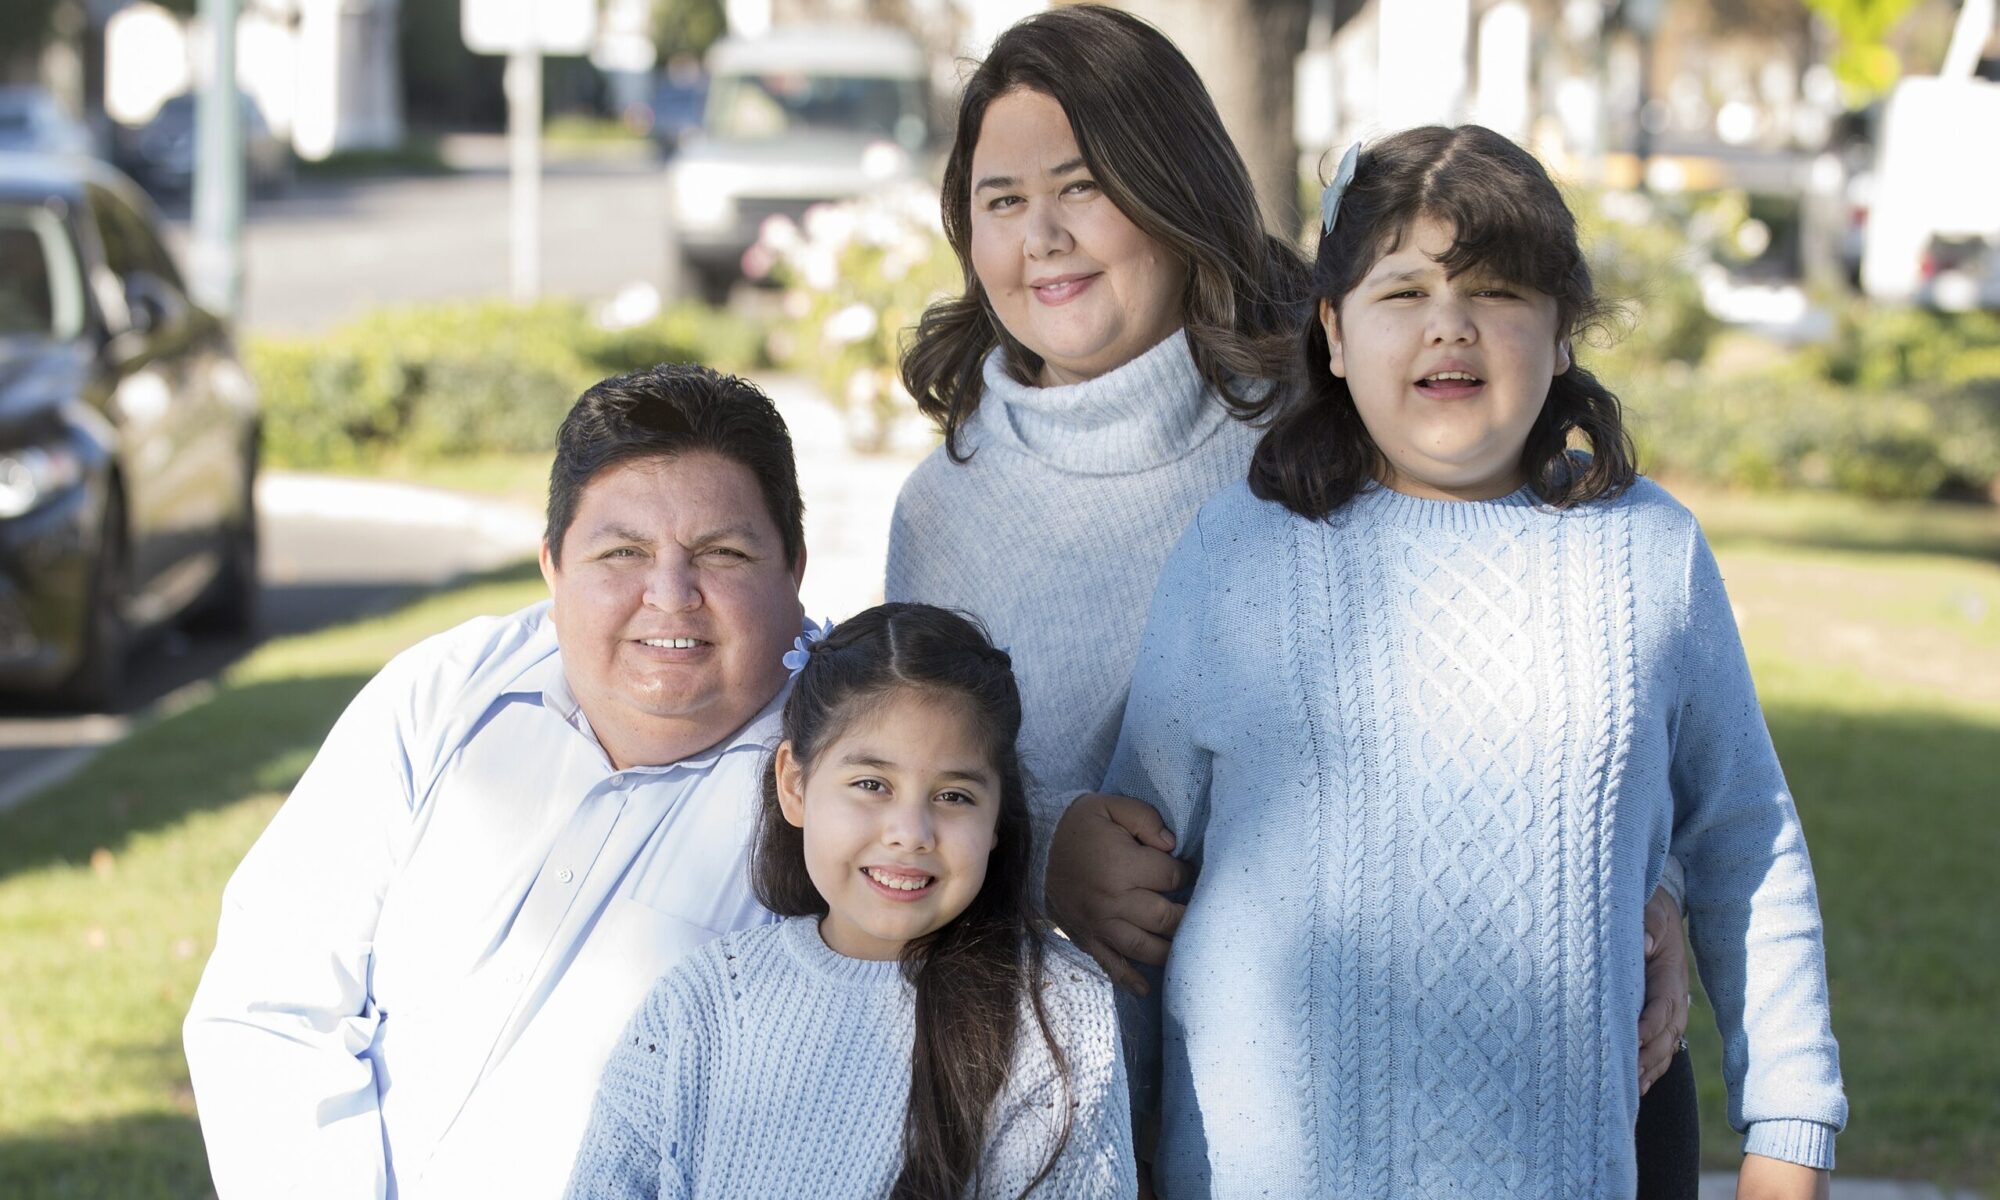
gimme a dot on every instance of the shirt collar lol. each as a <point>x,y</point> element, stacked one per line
<point>546,682</point>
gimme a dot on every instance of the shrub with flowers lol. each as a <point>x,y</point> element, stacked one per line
<point>856,275</point>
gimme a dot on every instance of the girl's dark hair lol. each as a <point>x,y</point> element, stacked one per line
<point>972,975</point>
<point>1506,217</point>
<point>1152,140</point>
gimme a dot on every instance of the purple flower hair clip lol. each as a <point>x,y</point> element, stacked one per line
<point>1343,175</point>
<point>802,645</point>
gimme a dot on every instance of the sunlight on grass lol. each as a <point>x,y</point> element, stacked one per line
<point>1873,630</point>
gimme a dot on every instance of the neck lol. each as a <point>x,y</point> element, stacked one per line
<point>662,742</point>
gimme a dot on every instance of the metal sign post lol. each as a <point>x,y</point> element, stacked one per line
<point>217,256</point>
<point>525,31</point>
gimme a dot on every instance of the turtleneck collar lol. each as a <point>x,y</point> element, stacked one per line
<point>1150,411</point>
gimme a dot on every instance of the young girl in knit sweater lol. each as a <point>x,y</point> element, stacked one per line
<point>1427,698</point>
<point>906,1032</point>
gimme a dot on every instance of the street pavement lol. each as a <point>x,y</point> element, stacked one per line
<point>327,250</point>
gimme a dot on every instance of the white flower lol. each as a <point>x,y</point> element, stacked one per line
<point>850,324</point>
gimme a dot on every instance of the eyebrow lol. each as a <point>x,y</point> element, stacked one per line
<point>1413,275</point>
<point>1007,181</point>
<point>978,775</point>
<point>612,531</point>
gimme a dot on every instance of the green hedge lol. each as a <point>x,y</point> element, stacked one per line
<point>462,379</point>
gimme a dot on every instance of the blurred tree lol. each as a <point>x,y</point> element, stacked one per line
<point>686,27</point>
<point>1863,60</point>
<point>1245,51</point>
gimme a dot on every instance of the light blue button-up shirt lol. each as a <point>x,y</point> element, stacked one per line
<point>424,961</point>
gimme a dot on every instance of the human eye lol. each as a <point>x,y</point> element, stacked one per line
<point>1002,203</point>
<point>1079,187</point>
<point>868,783</point>
<point>956,796</point>
<point>617,552</point>
<point>726,554</point>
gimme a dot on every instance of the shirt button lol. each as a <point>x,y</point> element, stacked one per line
<point>565,875</point>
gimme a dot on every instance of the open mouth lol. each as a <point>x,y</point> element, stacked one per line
<point>1449,382</point>
<point>899,885</point>
<point>673,643</point>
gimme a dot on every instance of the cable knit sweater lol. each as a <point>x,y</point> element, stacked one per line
<point>1430,756</point>
<point>1053,534</point>
<point>766,1065</point>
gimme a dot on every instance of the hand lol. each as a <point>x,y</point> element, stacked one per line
<point>1775,1179</point>
<point>1664,1019</point>
<point>1108,863</point>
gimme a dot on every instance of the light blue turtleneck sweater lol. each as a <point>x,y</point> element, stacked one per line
<point>1430,756</point>
<point>1053,533</point>
<point>766,1065</point>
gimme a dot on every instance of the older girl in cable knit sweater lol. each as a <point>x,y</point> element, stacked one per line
<point>1428,698</point>
<point>908,1032</point>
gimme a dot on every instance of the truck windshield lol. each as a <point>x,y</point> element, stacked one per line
<point>758,107</point>
<point>41,292</point>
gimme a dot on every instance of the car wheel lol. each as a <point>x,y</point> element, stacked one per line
<point>100,669</point>
<point>231,603</point>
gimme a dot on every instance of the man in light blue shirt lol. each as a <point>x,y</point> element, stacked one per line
<point>515,828</point>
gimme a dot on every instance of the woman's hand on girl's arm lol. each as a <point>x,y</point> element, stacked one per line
<point>1775,1179</point>
<point>1664,1019</point>
<point>1109,862</point>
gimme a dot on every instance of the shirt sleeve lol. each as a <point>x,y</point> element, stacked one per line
<point>1095,1160</point>
<point>633,1147</point>
<point>280,1023</point>
<point>1753,908</point>
<point>1162,759</point>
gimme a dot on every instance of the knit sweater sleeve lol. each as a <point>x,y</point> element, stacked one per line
<point>1095,1158</point>
<point>1753,908</point>
<point>632,1147</point>
<point>1161,758</point>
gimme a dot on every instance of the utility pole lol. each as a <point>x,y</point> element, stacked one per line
<point>523,82</point>
<point>217,256</point>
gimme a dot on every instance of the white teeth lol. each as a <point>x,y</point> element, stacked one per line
<point>902,883</point>
<point>671,643</point>
<point>1453,376</point>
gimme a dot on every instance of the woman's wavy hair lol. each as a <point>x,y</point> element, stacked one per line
<point>1506,217</point>
<point>1152,140</point>
<point>971,976</point>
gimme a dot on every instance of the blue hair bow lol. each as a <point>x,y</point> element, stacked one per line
<point>802,645</point>
<point>1329,200</point>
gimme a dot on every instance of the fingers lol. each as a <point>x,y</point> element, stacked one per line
<point>1115,966</point>
<point>1658,1043</point>
<point>1138,819</point>
<point>1134,943</point>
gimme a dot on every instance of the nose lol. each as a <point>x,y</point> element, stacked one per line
<point>672,585</point>
<point>1450,322</point>
<point>907,825</point>
<point>1047,233</point>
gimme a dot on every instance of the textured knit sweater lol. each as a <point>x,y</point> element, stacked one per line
<point>766,1066</point>
<point>1430,756</point>
<point>1053,534</point>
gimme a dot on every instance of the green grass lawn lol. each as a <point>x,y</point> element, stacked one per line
<point>1874,632</point>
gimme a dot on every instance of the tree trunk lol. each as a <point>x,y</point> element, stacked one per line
<point>1245,50</point>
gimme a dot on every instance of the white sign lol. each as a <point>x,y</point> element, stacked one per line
<point>512,26</point>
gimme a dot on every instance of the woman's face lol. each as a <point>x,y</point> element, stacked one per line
<point>1071,277</point>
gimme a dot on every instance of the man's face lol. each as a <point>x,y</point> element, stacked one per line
<point>673,605</point>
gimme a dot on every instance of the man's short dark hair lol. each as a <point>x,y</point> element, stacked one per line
<point>671,410</point>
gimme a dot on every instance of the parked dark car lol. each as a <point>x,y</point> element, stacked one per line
<point>128,437</point>
<point>161,152</point>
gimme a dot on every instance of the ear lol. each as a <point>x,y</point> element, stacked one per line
<point>1562,355</point>
<point>799,570</point>
<point>1329,320</point>
<point>791,785</point>
<point>549,567</point>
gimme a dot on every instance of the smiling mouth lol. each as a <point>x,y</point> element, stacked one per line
<point>1062,290</point>
<point>899,885</point>
<point>673,643</point>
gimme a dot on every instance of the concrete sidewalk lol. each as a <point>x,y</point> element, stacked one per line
<point>1718,1186</point>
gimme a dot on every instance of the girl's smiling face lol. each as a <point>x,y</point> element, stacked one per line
<point>899,814</point>
<point>1448,374</point>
